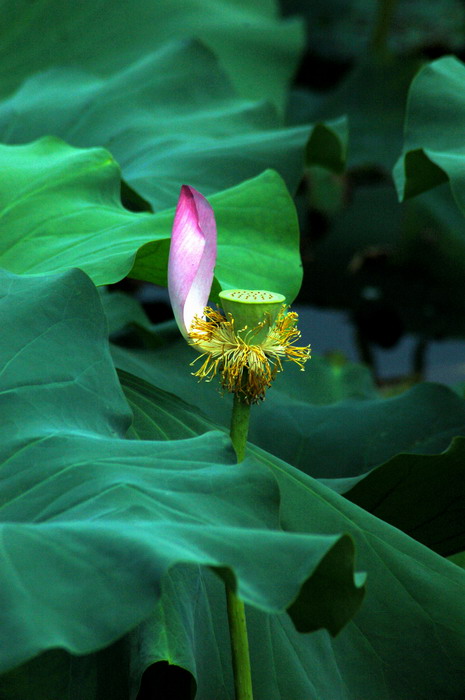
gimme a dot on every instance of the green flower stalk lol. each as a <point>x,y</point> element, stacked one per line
<point>244,344</point>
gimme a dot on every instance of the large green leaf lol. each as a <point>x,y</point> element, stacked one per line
<point>100,519</point>
<point>257,48</point>
<point>197,132</point>
<point>328,421</point>
<point>169,367</point>
<point>60,207</point>
<point>327,145</point>
<point>407,640</point>
<point>433,148</point>
<point>159,415</point>
<point>123,310</point>
<point>405,643</point>
<point>384,454</point>
<point>373,97</point>
<point>350,437</point>
<point>258,239</point>
<point>56,674</point>
<point>432,250</point>
<point>433,483</point>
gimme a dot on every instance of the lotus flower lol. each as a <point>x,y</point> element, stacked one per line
<point>192,257</point>
<point>247,343</point>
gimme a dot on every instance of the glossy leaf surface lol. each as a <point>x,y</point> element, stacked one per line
<point>197,134</point>
<point>433,148</point>
<point>411,573</point>
<point>61,209</point>
<point>258,50</point>
<point>81,500</point>
<point>386,455</point>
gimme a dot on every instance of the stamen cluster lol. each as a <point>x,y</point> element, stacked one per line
<point>245,368</point>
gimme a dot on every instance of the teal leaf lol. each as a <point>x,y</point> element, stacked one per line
<point>200,133</point>
<point>433,483</point>
<point>61,209</point>
<point>372,97</point>
<point>413,594</point>
<point>57,674</point>
<point>258,240</point>
<point>170,368</point>
<point>369,659</point>
<point>159,415</point>
<point>327,145</point>
<point>387,455</point>
<point>116,514</point>
<point>433,146</point>
<point>122,310</point>
<point>351,436</point>
<point>258,50</point>
<point>409,588</point>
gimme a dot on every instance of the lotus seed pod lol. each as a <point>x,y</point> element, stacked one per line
<point>254,311</point>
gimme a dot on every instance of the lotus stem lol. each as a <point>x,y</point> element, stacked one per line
<point>240,426</point>
<point>385,13</point>
<point>236,609</point>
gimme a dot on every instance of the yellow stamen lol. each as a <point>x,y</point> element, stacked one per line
<point>245,368</point>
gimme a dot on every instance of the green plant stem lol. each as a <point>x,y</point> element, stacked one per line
<point>386,9</point>
<point>239,646</point>
<point>236,609</point>
<point>240,426</point>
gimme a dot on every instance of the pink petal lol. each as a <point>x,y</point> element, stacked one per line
<point>192,257</point>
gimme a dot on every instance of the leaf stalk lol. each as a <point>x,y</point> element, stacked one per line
<point>379,38</point>
<point>240,426</point>
<point>236,610</point>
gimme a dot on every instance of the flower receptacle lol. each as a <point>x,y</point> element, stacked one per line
<point>254,311</point>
